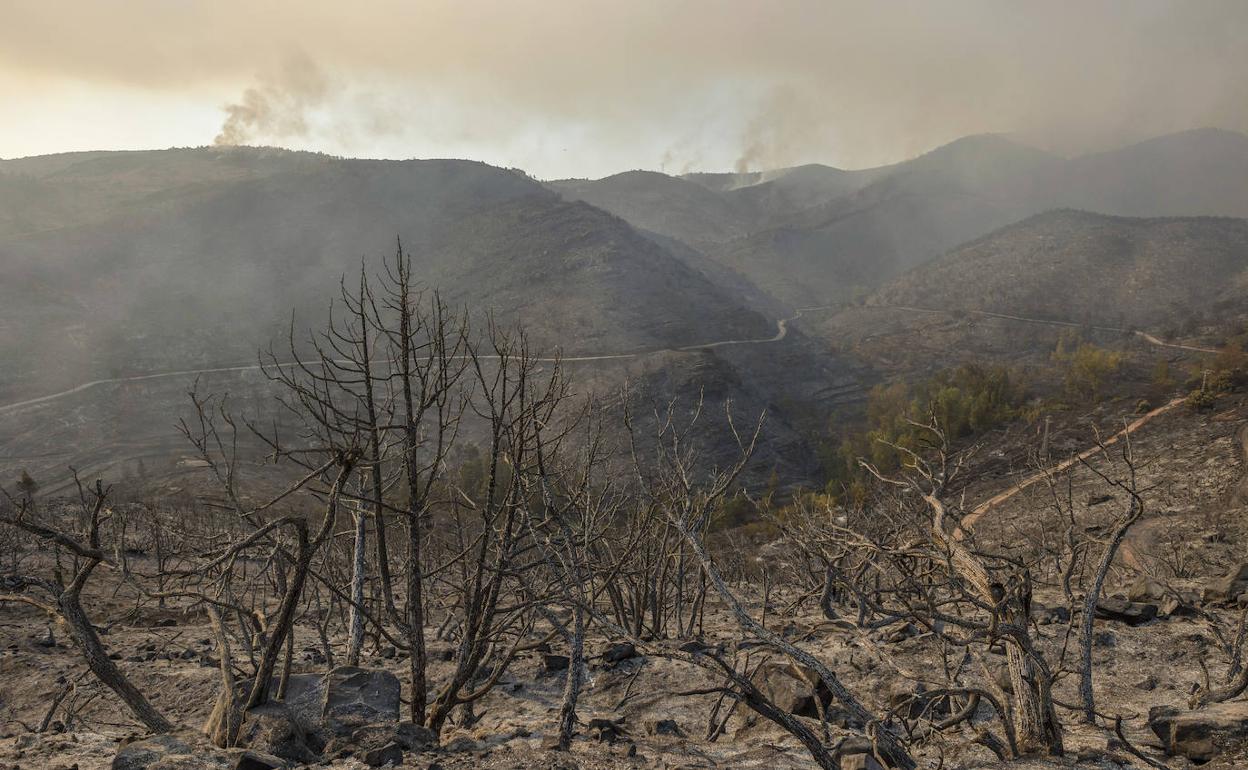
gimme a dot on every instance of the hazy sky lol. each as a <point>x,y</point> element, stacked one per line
<point>590,87</point>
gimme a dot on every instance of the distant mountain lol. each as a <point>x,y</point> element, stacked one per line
<point>817,235</point>
<point>672,206</point>
<point>150,261</point>
<point>1078,266</point>
<point>119,264</point>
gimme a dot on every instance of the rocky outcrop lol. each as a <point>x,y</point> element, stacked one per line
<point>1200,735</point>
<point>1228,587</point>
<point>355,697</point>
<point>190,751</point>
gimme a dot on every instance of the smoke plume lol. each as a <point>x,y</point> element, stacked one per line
<point>278,107</point>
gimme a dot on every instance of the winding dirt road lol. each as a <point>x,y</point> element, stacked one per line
<point>1149,338</point>
<point>782,330</point>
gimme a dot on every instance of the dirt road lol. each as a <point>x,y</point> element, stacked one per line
<point>782,330</point>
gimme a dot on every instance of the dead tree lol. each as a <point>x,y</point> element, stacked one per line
<point>1003,601</point>
<point>688,494</point>
<point>1118,534</point>
<point>65,603</point>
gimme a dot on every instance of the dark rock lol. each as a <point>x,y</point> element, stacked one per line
<point>1147,684</point>
<point>1057,614</point>
<point>414,737</point>
<point>1104,639</point>
<point>188,751</point>
<point>389,652</point>
<point>695,647</point>
<point>1123,611</point>
<point>358,696</point>
<point>1200,735</point>
<point>789,687</point>
<point>606,730</point>
<point>390,754</point>
<point>902,633</point>
<point>304,701</point>
<point>618,653</point>
<point>1095,500</point>
<point>663,727</point>
<point>250,760</point>
<point>553,664</point>
<point>1227,587</point>
<point>272,729</point>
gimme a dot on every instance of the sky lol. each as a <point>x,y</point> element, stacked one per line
<point>585,88</point>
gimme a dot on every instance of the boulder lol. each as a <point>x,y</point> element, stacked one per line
<point>1146,590</point>
<point>789,687</point>
<point>391,754</point>
<point>856,754</point>
<point>189,751</point>
<point>1227,587</point>
<point>1123,611</point>
<point>304,700</point>
<point>663,727</point>
<point>553,664</point>
<point>355,697</point>
<point>1200,735</point>
<point>272,729</point>
<point>618,653</point>
<point>606,730</point>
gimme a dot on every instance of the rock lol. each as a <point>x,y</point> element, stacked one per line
<point>408,735</point>
<point>1200,735</point>
<point>1123,611</point>
<point>389,754</point>
<point>860,762</point>
<point>553,664</point>
<point>414,737</point>
<point>1147,684</point>
<point>1146,590</point>
<point>1227,587</point>
<point>902,633</point>
<point>618,653</point>
<point>606,730</point>
<point>1181,606</point>
<point>359,696</point>
<point>250,760</point>
<point>1057,614</point>
<point>305,699</point>
<point>188,751</point>
<point>272,729</point>
<point>663,727</point>
<point>1095,500</point>
<point>462,744</point>
<point>855,754</point>
<point>789,687</point>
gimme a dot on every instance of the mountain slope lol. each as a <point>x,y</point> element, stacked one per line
<point>814,242</point>
<point>1078,266</point>
<point>179,279</point>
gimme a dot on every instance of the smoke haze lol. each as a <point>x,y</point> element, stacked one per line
<point>588,87</point>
